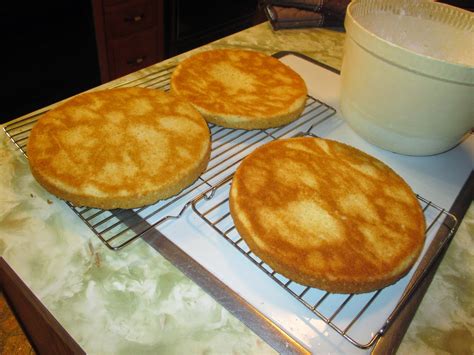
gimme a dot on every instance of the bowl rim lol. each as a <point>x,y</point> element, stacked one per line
<point>400,56</point>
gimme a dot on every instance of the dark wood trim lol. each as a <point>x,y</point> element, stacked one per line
<point>101,43</point>
<point>464,198</point>
<point>463,4</point>
<point>160,27</point>
<point>44,332</point>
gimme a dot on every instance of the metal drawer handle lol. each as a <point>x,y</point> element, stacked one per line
<point>135,18</point>
<point>136,60</point>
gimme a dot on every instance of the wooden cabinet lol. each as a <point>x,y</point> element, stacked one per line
<point>463,4</point>
<point>129,35</point>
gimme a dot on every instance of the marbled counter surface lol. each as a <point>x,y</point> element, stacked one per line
<point>136,302</point>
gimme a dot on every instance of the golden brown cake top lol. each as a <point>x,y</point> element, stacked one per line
<point>326,214</point>
<point>117,144</point>
<point>239,83</point>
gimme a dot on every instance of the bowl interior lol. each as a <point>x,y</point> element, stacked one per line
<point>426,28</point>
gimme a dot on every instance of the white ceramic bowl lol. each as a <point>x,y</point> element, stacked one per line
<point>408,74</point>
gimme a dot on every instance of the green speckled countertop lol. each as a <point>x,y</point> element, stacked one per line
<point>137,302</point>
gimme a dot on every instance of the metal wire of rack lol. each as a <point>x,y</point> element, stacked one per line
<point>118,228</point>
<point>215,212</point>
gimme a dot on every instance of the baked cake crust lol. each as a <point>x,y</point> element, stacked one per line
<point>119,148</point>
<point>240,88</point>
<point>327,215</point>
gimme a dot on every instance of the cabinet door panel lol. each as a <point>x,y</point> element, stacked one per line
<point>134,52</point>
<point>130,17</point>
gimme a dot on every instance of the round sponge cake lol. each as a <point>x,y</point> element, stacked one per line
<point>119,148</point>
<point>327,215</point>
<point>240,88</point>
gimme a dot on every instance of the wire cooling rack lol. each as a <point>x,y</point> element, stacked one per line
<point>343,313</point>
<point>118,228</point>
<point>208,197</point>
